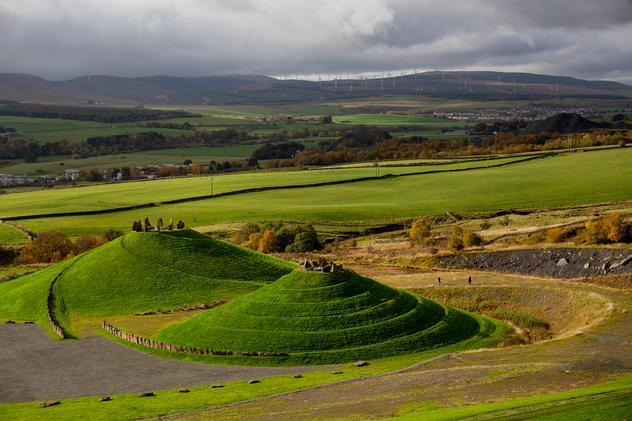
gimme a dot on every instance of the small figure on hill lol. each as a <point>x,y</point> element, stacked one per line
<point>159,224</point>
<point>439,280</point>
<point>469,280</point>
<point>137,226</point>
<point>180,225</point>
<point>170,224</point>
<point>148,226</point>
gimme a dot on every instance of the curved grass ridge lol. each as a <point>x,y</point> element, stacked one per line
<point>319,317</point>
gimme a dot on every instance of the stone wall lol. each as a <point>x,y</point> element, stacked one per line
<point>150,343</point>
<point>50,303</point>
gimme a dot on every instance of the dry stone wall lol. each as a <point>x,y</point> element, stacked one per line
<point>150,343</point>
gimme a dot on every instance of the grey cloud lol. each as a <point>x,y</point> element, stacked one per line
<point>67,38</point>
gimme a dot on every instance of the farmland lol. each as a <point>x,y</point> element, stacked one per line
<point>580,178</point>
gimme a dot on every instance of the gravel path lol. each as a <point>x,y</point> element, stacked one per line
<point>552,262</point>
<point>35,367</point>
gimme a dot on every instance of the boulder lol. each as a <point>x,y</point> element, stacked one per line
<point>147,394</point>
<point>562,262</point>
<point>298,376</point>
<point>255,381</point>
<point>105,399</point>
<point>336,372</point>
<point>216,386</point>
<point>361,363</point>
<point>184,390</point>
<point>49,404</point>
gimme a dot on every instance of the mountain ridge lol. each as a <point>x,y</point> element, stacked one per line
<point>261,89</point>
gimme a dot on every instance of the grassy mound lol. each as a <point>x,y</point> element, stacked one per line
<point>141,272</point>
<point>319,317</point>
<point>147,271</point>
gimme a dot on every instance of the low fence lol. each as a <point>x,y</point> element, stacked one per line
<point>150,343</point>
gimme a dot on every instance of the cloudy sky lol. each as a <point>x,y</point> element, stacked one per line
<point>60,39</point>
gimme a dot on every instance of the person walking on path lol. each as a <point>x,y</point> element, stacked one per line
<point>439,280</point>
<point>469,280</point>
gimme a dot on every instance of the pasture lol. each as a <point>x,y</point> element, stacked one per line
<point>104,196</point>
<point>578,178</point>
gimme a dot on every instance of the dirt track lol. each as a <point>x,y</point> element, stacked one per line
<point>34,367</point>
<point>552,262</point>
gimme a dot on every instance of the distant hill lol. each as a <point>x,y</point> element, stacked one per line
<point>563,123</point>
<point>258,89</point>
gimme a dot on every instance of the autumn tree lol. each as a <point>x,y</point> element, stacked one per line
<point>421,233</point>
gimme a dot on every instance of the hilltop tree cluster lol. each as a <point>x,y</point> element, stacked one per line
<point>277,237</point>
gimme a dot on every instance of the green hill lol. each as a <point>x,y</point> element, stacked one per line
<point>140,272</point>
<point>321,317</point>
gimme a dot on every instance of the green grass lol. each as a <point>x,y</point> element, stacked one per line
<point>129,406</point>
<point>52,129</point>
<point>605,401</point>
<point>11,272</point>
<point>10,235</point>
<point>103,196</point>
<point>141,272</point>
<point>570,179</point>
<point>58,164</point>
<point>317,317</point>
<point>166,270</point>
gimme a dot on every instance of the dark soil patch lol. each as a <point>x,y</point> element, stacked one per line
<point>552,262</point>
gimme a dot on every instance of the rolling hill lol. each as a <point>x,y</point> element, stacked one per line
<point>306,317</point>
<point>325,317</point>
<point>258,89</point>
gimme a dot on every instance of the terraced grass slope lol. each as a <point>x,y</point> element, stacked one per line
<point>320,317</point>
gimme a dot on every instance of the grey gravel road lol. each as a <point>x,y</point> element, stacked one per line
<point>35,367</point>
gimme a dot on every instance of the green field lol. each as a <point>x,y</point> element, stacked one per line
<point>569,179</point>
<point>57,164</point>
<point>10,235</point>
<point>52,129</point>
<point>104,196</point>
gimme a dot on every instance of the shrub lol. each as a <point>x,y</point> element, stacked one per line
<point>83,244</point>
<point>472,239</point>
<point>505,221</point>
<point>304,241</point>
<point>253,241</point>
<point>420,233</point>
<point>47,247</point>
<point>555,235</point>
<point>455,242</point>
<point>268,242</point>
<point>485,224</point>
<point>610,229</point>
<point>112,234</point>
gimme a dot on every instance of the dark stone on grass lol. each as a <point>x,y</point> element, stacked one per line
<point>9,322</point>
<point>361,363</point>
<point>29,323</point>
<point>147,394</point>
<point>255,381</point>
<point>298,376</point>
<point>184,390</point>
<point>105,399</point>
<point>216,386</point>
<point>49,404</point>
<point>336,372</point>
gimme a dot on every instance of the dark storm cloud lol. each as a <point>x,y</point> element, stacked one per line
<point>66,38</point>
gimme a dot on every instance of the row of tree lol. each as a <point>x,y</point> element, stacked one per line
<point>139,226</point>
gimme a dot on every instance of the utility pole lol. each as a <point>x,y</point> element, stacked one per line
<point>211,179</point>
<point>376,164</point>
